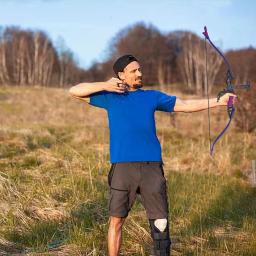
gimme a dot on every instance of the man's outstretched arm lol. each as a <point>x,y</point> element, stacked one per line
<point>84,90</point>
<point>199,105</point>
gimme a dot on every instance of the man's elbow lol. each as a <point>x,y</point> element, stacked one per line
<point>79,90</point>
<point>73,91</point>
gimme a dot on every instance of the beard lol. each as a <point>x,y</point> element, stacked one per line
<point>139,83</point>
<point>137,86</point>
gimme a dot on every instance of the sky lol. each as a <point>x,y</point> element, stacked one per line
<point>87,26</point>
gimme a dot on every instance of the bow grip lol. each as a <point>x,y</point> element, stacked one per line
<point>230,101</point>
<point>230,105</point>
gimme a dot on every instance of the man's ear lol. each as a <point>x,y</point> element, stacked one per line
<point>121,75</point>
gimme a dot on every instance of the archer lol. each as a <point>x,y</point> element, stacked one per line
<point>135,151</point>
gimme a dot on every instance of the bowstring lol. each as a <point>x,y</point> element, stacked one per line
<point>207,92</point>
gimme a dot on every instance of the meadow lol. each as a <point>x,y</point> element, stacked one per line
<point>54,161</point>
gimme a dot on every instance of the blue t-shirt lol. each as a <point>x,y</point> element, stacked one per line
<point>132,124</point>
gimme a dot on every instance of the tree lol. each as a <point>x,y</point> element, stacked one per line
<point>148,45</point>
<point>192,63</point>
<point>242,64</point>
<point>29,57</point>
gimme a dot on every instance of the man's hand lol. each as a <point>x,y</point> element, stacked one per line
<point>223,101</point>
<point>114,85</point>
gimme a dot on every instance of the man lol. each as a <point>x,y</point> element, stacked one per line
<point>135,151</point>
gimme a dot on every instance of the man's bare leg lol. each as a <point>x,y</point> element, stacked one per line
<point>115,235</point>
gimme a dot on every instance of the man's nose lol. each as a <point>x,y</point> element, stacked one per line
<point>138,73</point>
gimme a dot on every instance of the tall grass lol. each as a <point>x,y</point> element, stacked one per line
<point>53,181</point>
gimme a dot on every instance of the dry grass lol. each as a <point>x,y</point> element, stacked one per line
<point>53,186</point>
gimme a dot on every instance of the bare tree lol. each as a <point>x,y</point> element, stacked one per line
<point>186,60</point>
<point>29,57</point>
<point>4,75</point>
<point>148,45</point>
<point>192,63</point>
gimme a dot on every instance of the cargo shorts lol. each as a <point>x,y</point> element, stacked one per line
<point>127,179</point>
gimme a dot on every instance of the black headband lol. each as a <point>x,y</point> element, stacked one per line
<point>122,62</point>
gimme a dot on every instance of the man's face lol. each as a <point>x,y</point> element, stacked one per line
<point>132,74</point>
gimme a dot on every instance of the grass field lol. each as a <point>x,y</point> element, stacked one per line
<point>54,163</point>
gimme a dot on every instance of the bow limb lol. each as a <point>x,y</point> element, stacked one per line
<point>205,33</point>
<point>229,88</point>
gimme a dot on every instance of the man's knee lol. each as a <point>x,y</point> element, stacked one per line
<point>160,236</point>
<point>116,221</point>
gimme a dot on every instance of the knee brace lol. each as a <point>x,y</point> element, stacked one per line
<point>160,236</point>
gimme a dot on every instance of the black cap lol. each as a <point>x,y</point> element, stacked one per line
<point>122,62</point>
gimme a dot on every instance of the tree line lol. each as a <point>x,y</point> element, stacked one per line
<point>29,57</point>
<point>175,57</point>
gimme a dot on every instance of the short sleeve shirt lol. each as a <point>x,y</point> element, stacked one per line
<point>132,124</point>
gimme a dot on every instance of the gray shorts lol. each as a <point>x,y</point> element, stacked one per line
<point>130,178</point>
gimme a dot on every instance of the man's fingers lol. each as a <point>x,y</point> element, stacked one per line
<point>116,81</point>
<point>120,91</point>
<point>117,84</point>
<point>232,94</point>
